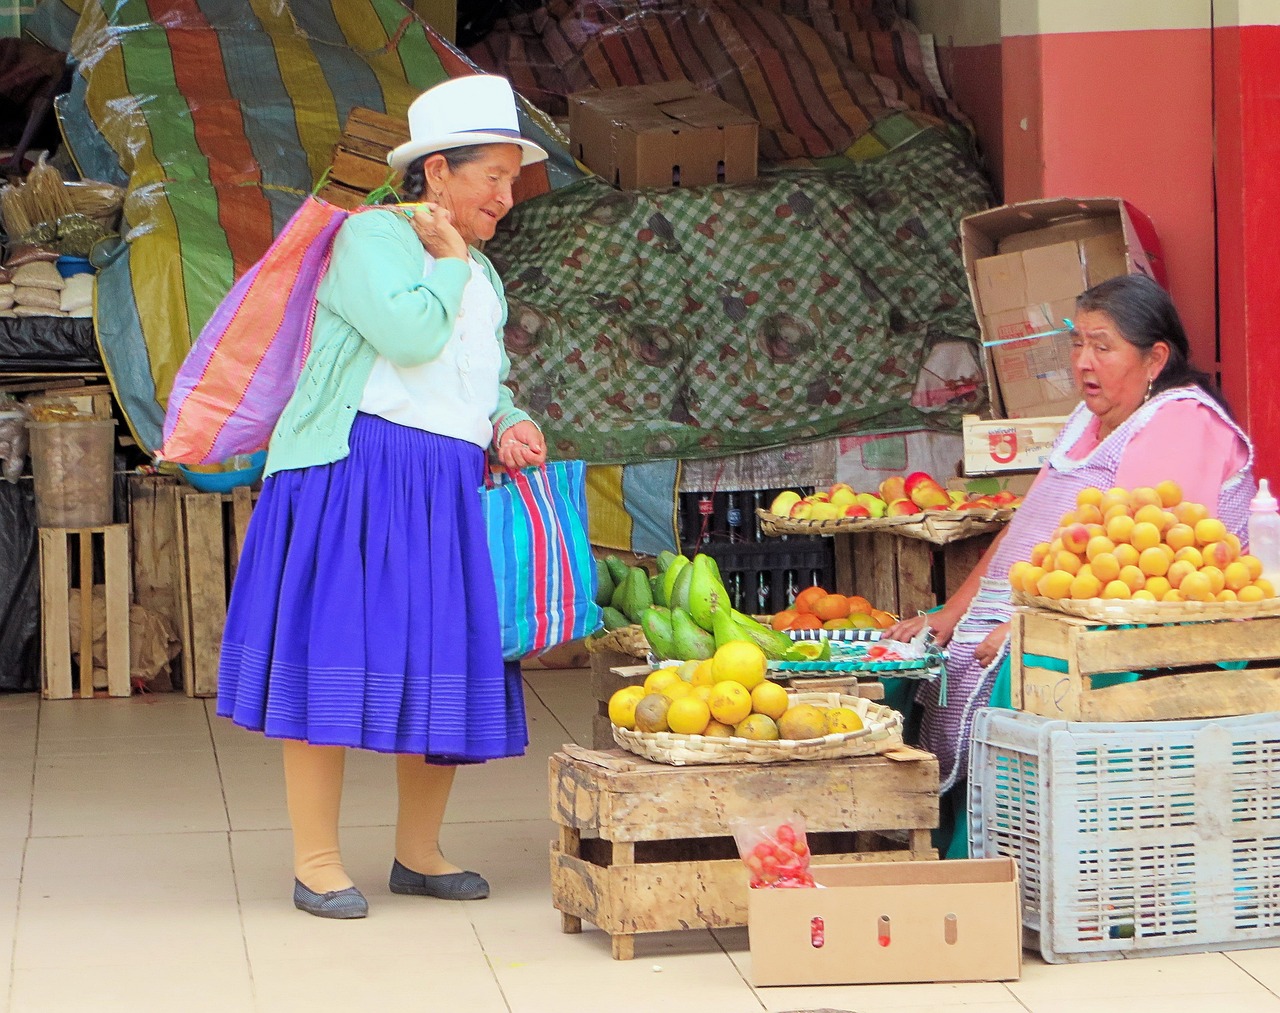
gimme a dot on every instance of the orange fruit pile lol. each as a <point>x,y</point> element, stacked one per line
<point>1145,544</point>
<point>817,609</point>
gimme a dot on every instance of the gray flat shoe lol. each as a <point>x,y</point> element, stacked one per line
<point>348,903</point>
<point>451,886</point>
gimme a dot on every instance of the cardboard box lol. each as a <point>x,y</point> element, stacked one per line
<point>993,445</point>
<point>889,922</point>
<point>662,135</point>
<point>1026,265</point>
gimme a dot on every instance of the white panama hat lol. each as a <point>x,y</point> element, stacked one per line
<point>477,109</point>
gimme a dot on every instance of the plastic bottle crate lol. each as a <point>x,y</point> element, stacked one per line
<point>762,573</point>
<point>1133,839</point>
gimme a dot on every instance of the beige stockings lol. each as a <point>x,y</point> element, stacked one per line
<point>313,788</point>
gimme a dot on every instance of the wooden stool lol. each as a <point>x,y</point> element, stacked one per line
<point>659,853</point>
<point>55,611</point>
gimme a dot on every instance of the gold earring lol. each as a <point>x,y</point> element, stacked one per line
<point>1150,381</point>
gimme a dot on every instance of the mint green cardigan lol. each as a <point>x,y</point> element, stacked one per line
<point>374,300</point>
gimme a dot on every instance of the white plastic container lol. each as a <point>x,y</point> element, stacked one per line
<point>1264,532</point>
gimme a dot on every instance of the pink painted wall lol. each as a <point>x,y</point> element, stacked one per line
<point>1123,114</point>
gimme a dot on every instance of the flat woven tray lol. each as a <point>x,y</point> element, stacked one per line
<point>624,640</point>
<point>937,526</point>
<point>882,732</point>
<point>929,667</point>
<point>1119,612</point>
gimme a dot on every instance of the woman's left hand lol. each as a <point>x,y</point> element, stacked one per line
<point>522,446</point>
<point>987,651</point>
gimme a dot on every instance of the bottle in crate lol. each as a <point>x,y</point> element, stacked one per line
<point>733,518</point>
<point>764,595</point>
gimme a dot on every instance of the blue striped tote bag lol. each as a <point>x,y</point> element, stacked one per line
<point>542,562</point>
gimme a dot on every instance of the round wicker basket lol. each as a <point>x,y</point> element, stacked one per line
<point>1119,612</point>
<point>624,640</point>
<point>940,527</point>
<point>882,731</point>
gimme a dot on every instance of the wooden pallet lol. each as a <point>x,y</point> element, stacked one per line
<point>111,543</point>
<point>210,537</point>
<point>605,683</point>
<point>360,157</point>
<point>904,576</point>
<point>647,847</point>
<point>1188,683</point>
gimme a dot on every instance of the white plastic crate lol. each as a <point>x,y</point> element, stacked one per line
<point>1134,839</point>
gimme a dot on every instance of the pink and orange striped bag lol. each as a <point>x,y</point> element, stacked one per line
<point>235,382</point>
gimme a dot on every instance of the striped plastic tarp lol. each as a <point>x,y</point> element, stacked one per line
<point>219,119</point>
<point>543,566</point>
<point>817,74</point>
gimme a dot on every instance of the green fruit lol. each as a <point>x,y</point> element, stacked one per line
<point>604,583</point>
<point>774,643</point>
<point>715,569</point>
<point>724,628</point>
<point>614,620</point>
<point>671,574</point>
<point>655,589</point>
<point>706,594</point>
<point>665,558</point>
<point>691,642</point>
<point>679,596</point>
<point>617,568</point>
<point>638,597</point>
<point>619,597</point>
<point>656,623</point>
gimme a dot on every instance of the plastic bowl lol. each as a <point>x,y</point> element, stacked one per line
<point>225,481</point>
<point>67,266</point>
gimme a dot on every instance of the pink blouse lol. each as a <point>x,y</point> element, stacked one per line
<point>1185,442</point>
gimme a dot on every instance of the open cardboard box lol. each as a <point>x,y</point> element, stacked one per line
<point>890,922</point>
<point>662,135</point>
<point>1026,263</point>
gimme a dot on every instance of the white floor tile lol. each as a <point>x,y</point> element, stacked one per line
<point>146,864</point>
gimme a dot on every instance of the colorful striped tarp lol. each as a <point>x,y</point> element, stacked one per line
<point>219,118</point>
<point>816,74</point>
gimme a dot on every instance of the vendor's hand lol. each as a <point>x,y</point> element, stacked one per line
<point>434,226</point>
<point>522,446</point>
<point>987,651</point>
<point>941,622</point>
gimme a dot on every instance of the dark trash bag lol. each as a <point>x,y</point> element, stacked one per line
<point>19,588</point>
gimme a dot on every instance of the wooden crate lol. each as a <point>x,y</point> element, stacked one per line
<point>647,847</point>
<point>111,545</point>
<point>606,682</point>
<point>210,536</point>
<point>904,576</point>
<point>1189,684</point>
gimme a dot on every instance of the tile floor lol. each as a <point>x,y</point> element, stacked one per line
<point>144,866</point>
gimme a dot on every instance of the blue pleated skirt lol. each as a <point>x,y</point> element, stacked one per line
<point>364,612</point>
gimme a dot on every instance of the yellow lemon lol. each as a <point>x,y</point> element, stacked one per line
<point>756,726</point>
<point>843,719</point>
<point>770,699</point>
<point>622,706</point>
<point>703,674</point>
<point>659,678</point>
<point>688,715</point>
<point>676,690</point>
<point>739,661</point>
<point>730,702</point>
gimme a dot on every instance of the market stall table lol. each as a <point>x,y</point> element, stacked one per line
<point>647,847</point>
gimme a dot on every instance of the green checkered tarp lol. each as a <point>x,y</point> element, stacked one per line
<point>695,323</point>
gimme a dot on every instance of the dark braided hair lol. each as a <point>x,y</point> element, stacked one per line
<point>1144,314</point>
<point>415,180</point>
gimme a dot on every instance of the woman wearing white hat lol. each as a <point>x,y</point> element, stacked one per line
<point>364,613</point>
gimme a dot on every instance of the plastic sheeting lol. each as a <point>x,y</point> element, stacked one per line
<point>19,589</point>
<point>48,345</point>
<point>218,118</point>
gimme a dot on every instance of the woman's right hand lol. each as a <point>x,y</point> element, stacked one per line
<point>942,622</point>
<point>434,226</point>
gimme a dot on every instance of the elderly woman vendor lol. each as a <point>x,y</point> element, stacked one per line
<point>1147,416</point>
